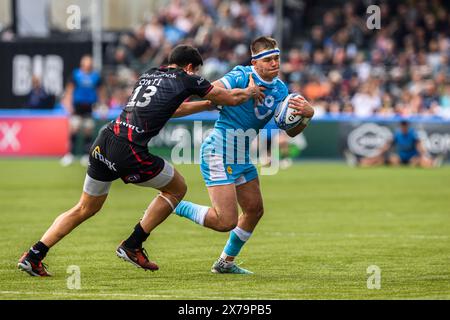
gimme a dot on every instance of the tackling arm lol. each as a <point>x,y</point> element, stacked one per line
<point>221,96</point>
<point>187,108</point>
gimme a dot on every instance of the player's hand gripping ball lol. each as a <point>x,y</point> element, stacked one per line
<point>293,110</point>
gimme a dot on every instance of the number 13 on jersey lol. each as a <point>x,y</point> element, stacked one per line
<point>142,96</point>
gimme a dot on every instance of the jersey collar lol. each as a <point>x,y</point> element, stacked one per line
<point>271,83</point>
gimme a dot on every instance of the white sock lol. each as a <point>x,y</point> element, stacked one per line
<point>242,234</point>
<point>201,215</point>
<point>224,263</point>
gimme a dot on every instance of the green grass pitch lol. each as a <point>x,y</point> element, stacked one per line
<point>324,225</point>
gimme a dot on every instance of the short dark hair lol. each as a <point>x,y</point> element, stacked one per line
<point>262,43</point>
<point>182,55</point>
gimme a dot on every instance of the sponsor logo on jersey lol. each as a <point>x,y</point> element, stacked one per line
<point>229,170</point>
<point>96,154</point>
<point>200,81</point>
<point>132,178</point>
<point>132,127</point>
<point>159,74</point>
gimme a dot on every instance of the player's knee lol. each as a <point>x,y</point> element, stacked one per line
<point>258,212</point>
<point>227,225</point>
<point>87,210</point>
<point>174,192</point>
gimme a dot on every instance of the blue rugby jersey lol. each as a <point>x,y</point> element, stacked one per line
<point>245,116</point>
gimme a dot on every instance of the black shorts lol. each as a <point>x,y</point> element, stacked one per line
<point>83,109</point>
<point>111,158</point>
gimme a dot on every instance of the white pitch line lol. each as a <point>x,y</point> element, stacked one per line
<point>304,295</point>
<point>75,293</point>
<point>37,293</point>
<point>361,235</point>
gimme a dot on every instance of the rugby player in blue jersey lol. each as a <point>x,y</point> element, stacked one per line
<point>231,178</point>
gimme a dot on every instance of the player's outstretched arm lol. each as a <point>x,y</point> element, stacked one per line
<point>187,108</point>
<point>304,109</point>
<point>220,96</point>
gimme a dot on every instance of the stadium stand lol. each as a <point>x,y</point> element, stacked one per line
<point>334,59</point>
<point>330,55</point>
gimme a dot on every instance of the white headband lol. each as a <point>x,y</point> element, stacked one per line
<point>266,53</point>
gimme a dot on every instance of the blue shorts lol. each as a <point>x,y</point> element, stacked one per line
<point>406,157</point>
<point>216,171</point>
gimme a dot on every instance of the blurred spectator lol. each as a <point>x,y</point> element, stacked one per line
<point>408,150</point>
<point>38,97</point>
<point>316,89</point>
<point>445,102</point>
<point>84,90</point>
<point>154,32</point>
<point>266,21</point>
<point>366,101</point>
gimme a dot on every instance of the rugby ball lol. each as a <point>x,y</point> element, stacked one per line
<point>284,119</point>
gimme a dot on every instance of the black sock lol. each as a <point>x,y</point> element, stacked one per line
<point>136,238</point>
<point>38,251</point>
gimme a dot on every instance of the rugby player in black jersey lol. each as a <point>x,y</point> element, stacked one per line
<point>120,151</point>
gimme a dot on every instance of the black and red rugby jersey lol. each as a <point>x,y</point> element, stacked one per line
<point>156,96</point>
